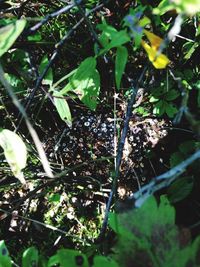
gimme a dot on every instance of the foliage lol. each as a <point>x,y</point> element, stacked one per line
<point>62,63</point>
<point>155,241</point>
<point>15,152</point>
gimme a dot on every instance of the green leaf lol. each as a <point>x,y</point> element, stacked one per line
<point>153,99</point>
<point>180,189</point>
<point>176,158</point>
<point>15,152</point>
<point>9,34</point>
<point>68,258</point>
<point>86,83</point>
<point>163,7</point>
<point>159,108</point>
<point>62,108</point>
<point>171,95</point>
<point>30,257</point>
<point>54,197</point>
<point>35,37</point>
<point>5,260</point>
<point>48,79</point>
<point>171,110</point>
<point>189,48</point>
<point>100,261</point>
<point>146,234</point>
<point>120,63</point>
<point>118,39</point>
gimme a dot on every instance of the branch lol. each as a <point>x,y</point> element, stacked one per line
<point>58,46</point>
<point>162,180</point>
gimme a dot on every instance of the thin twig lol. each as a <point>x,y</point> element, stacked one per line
<point>51,16</point>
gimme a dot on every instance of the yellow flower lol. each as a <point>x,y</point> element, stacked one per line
<point>160,61</point>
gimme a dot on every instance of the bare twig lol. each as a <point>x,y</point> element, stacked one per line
<point>51,16</point>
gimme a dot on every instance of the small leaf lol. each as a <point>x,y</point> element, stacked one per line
<point>120,63</point>
<point>153,99</point>
<point>62,108</point>
<point>30,257</point>
<point>180,189</point>
<point>15,152</point>
<point>9,33</point>
<point>5,260</point>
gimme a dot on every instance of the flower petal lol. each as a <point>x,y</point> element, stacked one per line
<point>153,39</point>
<point>160,61</point>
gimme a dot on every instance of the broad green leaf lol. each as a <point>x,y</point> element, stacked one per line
<point>62,108</point>
<point>141,230</point>
<point>86,83</point>
<point>120,64</point>
<point>15,152</point>
<point>48,79</point>
<point>9,34</point>
<point>180,189</point>
<point>100,261</point>
<point>30,257</point>
<point>68,258</point>
<point>5,260</point>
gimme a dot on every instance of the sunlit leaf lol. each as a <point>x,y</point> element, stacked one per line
<point>62,108</point>
<point>120,64</point>
<point>30,257</point>
<point>5,260</point>
<point>86,83</point>
<point>9,33</point>
<point>15,152</point>
<point>68,258</point>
